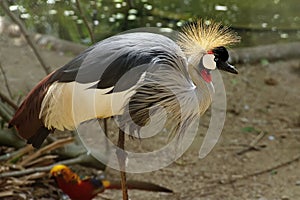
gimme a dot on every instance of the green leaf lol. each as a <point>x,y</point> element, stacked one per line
<point>264,62</point>
<point>249,129</point>
<point>273,172</point>
<point>234,81</point>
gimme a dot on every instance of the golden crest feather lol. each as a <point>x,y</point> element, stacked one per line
<point>202,37</point>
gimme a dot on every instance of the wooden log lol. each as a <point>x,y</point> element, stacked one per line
<point>272,52</point>
<point>56,44</point>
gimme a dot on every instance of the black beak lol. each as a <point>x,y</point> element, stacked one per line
<point>225,66</point>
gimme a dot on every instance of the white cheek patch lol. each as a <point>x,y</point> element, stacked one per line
<point>208,61</point>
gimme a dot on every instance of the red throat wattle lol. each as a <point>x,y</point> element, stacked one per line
<point>205,75</point>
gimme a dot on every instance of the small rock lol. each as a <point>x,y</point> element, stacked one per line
<point>284,197</point>
<point>14,31</point>
<point>283,136</point>
<point>243,119</point>
<point>271,81</point>
<point>246,107</point>
<point>271,137</point>
<point>298,183</point>
<point>262,198</point>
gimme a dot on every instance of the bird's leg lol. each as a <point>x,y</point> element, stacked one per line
<point>122,162</point>
<point>106,135</point>
<point>105,126</point>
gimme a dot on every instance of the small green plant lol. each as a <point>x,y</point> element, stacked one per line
<point>249,129</point>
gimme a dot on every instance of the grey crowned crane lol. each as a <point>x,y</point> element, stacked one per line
<point>133,71</point>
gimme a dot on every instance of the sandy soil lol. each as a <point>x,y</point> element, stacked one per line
<point>262,98</point>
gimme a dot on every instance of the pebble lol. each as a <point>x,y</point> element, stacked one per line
<point>262,198</point>
<point>271,137</point>
<point>243,119</point>
<point>298,183</point>
<point>271,81</point>
<point>285,197</point>
<point>246,107</point>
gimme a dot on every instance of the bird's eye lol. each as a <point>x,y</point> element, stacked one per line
<point>216,59</point>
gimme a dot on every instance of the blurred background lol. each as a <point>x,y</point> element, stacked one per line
<point>257,156</point>
<point>258,22</point>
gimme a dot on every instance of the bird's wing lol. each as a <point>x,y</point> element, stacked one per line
<point>95,185</point>
<point>107,62</point>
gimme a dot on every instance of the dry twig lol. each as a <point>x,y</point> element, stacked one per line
<point>85,21</point>
<point>5,99</point>
<point>290,130</point>
<point>50,147</point>
<point>17,154</point>
<point>4,113</point>
<point>253,144</point>
<point>257,173</point>
<point>76,160</point>
<point>6,194</point>
<point>42,161</point>
<point>6,81</point>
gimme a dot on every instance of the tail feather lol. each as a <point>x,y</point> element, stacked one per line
<point>139,185</point>
<point>26,119</point>
<point>37,139</point>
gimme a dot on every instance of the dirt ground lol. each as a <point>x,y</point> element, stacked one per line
<point>262,100</point>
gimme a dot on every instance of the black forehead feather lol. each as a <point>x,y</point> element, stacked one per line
<point>221,52</point>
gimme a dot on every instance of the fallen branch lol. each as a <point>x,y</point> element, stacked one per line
<point>4,113</point>
<point>72,150</point>
<point>290,130</point>
<point>257,173</point>
<point>50,147</point>
<point>59,45</point>
<point>252,145</point>
<point>270,52</point>
<point>42,161</point>
<point>34,176</point>
<point>6,81</point>
<point>9,137</point>
<point>6,194</point>
<point>215,183</point>
<point>85,21</point>
<point>5,99</point>
<point>77,160</point>
<point>17,154</point>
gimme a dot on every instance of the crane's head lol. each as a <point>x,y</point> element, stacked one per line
<point>204,45</point>
<point>216,58</point>
<point>221,57</point>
